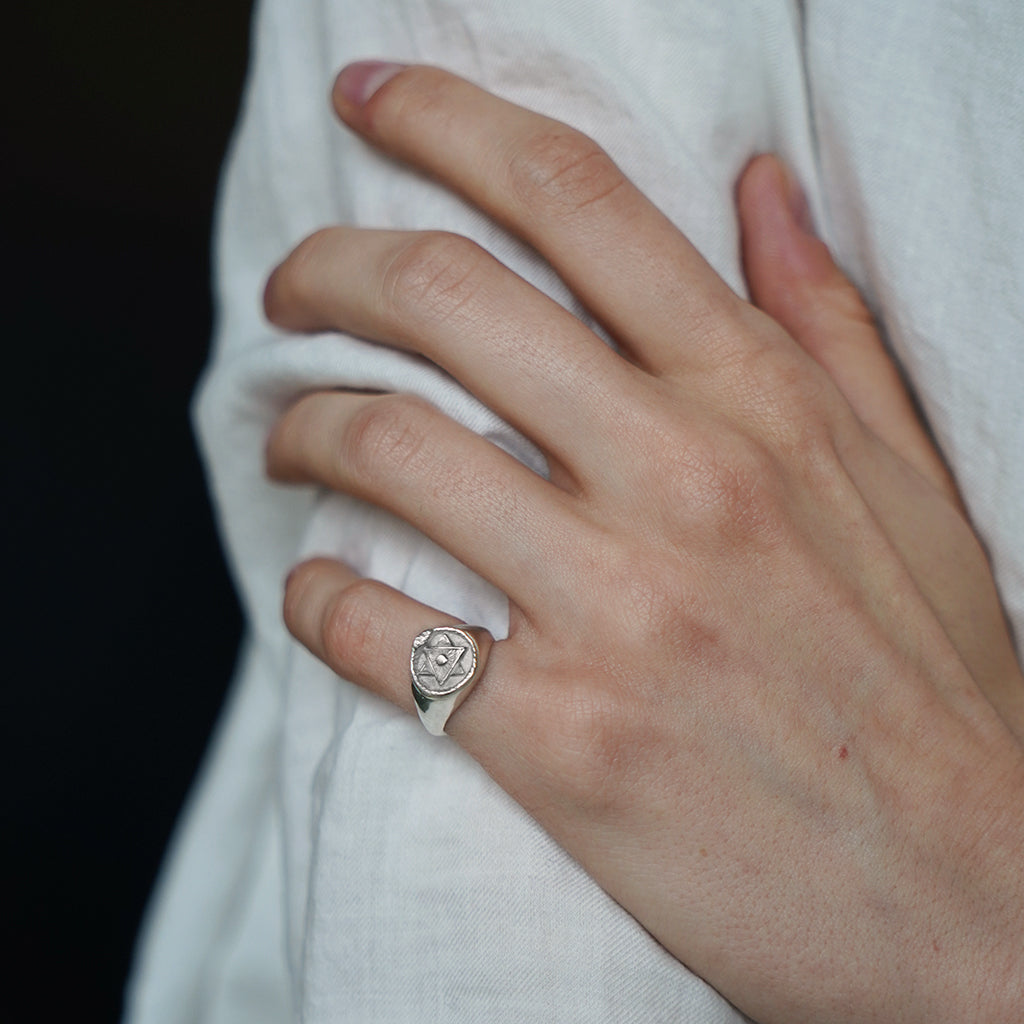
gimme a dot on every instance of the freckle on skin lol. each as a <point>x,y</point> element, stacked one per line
<point>703,852</point>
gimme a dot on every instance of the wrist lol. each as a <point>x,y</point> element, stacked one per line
<point>982,872</point>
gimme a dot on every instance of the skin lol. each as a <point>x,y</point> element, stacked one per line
<point>782,715</point>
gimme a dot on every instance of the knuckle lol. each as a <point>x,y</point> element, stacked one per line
<point>727,484</point>
<point>593,738</point>
<point>384,436</point>
<point>353,631</point>
<point>412,102</point>
<point>593,741</point>
<point>795,406</point>
<point>740,489</point>
<point>299,582</point>
<point>661,604</point>
<point>434,275</point>
<point>650,593</point>
<point>562,171</point>
<point>720,475</point>
<point>645,586</point>
<point>839,297</point>
<point>292,288</point>
<point>780,385</point>
<point>787,401</point>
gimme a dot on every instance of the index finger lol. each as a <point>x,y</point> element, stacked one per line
<point>558,190</point>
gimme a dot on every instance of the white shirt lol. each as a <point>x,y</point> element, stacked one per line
<point>338,864</point>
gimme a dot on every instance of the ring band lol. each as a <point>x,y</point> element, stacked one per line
<point>446,663</point>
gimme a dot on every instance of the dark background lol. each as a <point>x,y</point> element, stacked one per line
<point>121,619</point>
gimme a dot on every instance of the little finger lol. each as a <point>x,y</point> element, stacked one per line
<point>364,631</point>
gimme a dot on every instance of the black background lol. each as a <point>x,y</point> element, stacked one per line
<point>121,627</point>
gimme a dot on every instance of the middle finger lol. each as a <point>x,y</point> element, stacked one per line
<point>441,295</point>
<point>558,190</point>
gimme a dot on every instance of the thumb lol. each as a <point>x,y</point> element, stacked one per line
<point>792,278</point>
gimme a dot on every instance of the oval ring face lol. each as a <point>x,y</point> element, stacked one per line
<point>443,660</point>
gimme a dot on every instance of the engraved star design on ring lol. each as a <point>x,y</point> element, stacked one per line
<point>443,661</point>
<point>446,663</point>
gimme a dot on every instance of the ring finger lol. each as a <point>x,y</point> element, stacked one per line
<point>400,453</point>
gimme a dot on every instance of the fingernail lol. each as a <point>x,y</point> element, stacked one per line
<point>799,209</point>
<point>358,82</point>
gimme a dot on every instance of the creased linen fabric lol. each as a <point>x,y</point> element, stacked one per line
<point>336,863</point>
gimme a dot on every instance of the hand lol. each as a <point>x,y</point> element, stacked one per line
<point>751,631</point>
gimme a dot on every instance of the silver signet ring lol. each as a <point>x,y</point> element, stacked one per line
<point>445,663</point>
